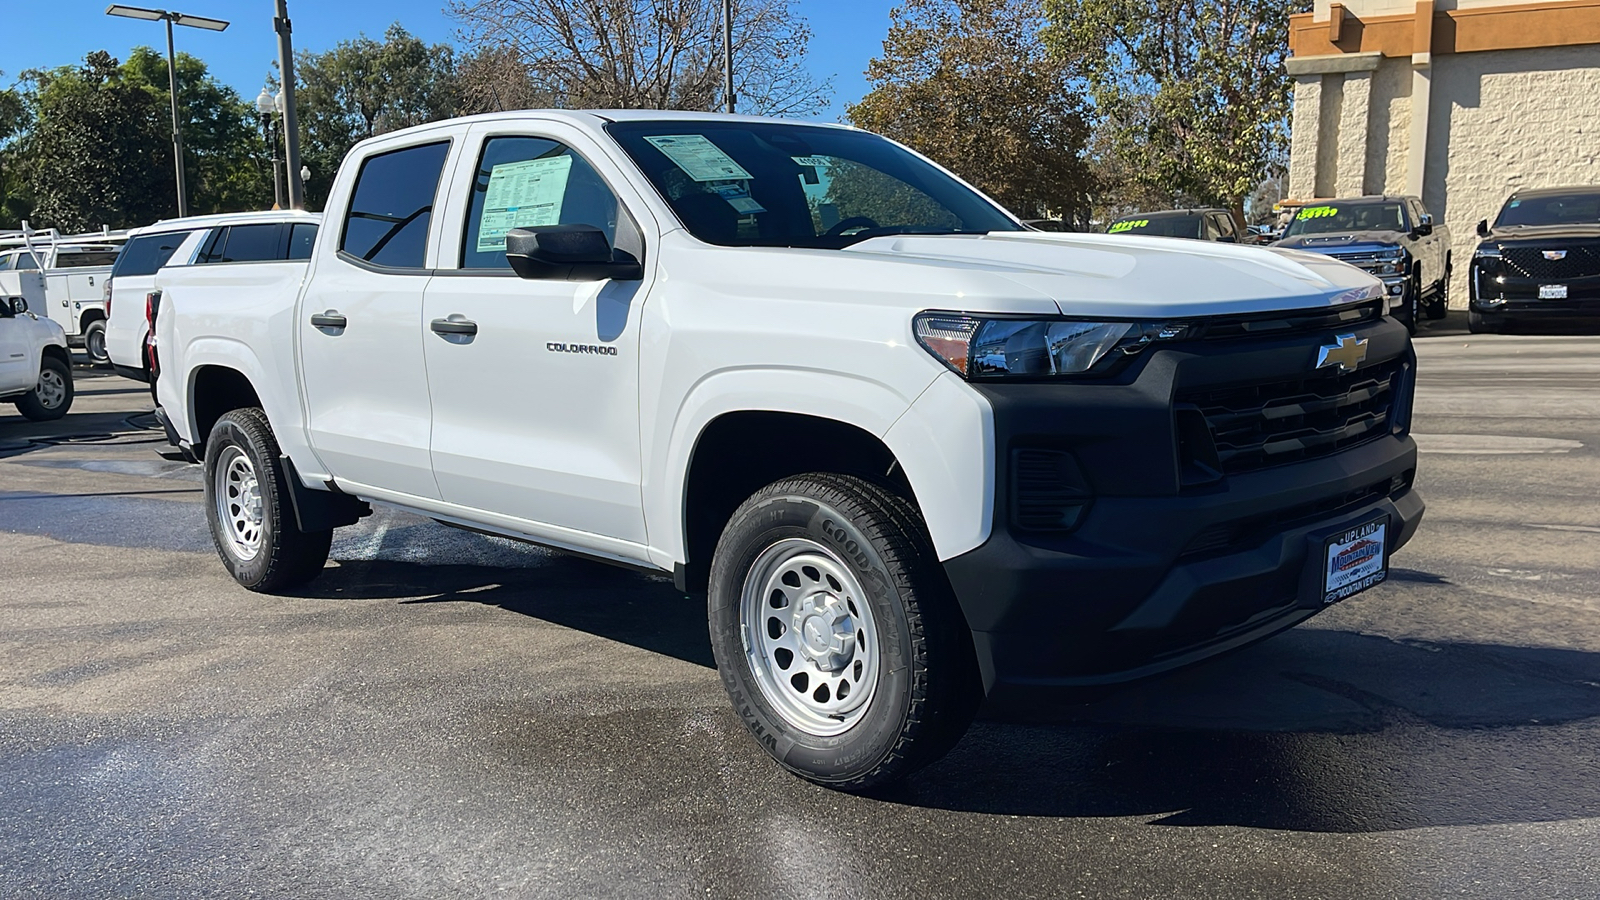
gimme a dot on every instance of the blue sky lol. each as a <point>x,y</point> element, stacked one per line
<point>847,33</point>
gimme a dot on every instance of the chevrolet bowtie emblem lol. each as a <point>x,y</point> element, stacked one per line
<point>1555,254</point>
<point>1346,354</point>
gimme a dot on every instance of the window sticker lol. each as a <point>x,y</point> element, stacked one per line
<point>522,195</point>
<point>1516,203</point>
<point>698,157</point>
<point>1131,224</point>
<point>737,193</point>
<point>816,162</point>
<point>1317,212</point>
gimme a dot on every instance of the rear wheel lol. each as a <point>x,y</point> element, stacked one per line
<point>52,396</point>
<point>94,342</point>
<point>1411,304</point>
<point>1439,304</point>
<point>836,635</point>
<point>247,507</point>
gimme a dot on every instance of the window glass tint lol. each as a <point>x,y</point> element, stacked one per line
<point>387,223</point>
<point>1335,216</point>
<point>1556,209</point>
<point>24,261</point>
<point>783,185</point>
<point>211,248</point>
<point>1158,225</point>
<point>302,235</point>
<point>253,243</point>
<point>146,253</point>
<point>524,182</point>
<point>85,258</point>
<point>5,263</point>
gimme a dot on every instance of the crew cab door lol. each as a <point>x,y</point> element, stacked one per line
<point>535,383</point>
<point>1430,248</point>
<point>360,328</point>
<point>19,365</point>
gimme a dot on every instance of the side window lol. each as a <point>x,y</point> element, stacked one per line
<point>253,243</point>
<point>387,223</point>
<point>301,236</point>
<point>527,181</point>
<point>146,253</point>
<point>211,248</point>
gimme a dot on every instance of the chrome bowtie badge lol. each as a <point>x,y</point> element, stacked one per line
<point>1555,254</point>
<point>1346,354</point>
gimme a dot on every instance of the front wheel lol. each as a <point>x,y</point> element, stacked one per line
<point>94,342</point>
<point>836,635</point>
<point>247,507</point>
<point>52,396</point>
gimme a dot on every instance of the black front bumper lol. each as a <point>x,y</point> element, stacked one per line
<point>1166,566</point>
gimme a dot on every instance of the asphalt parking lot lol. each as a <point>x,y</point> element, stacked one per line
<point>448,715</point>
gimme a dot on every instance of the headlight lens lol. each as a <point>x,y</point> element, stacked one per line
<point>1030,348</point>
<point>1486,252</point>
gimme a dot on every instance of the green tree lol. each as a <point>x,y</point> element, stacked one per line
<point>15,199</point>
<point>363,88</point>
<point>97,153</point>
<point>971,84</point>
<point>225,154</point>
<point>1193,92</point>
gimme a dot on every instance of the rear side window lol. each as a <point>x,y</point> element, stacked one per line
<point>146,253</point>
<point>253,243</point>
<point>387,223</point>
<point>301,236</point>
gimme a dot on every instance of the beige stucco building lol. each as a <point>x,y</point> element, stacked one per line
<point>1458,101</point>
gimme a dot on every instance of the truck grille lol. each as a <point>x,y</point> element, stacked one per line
<point>1269,424</point>
<point>1529,262</point>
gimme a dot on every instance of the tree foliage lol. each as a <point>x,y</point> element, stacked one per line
<point>970,84</point>
<point>1193,93</point>
<point>363,88</point>
<point>651,54</point>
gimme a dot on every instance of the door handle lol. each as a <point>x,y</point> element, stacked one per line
<point>329,319</point>
<point>453,326</point>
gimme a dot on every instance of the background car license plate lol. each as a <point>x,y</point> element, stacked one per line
<point>1552,292</point>
<point>1355,560</point>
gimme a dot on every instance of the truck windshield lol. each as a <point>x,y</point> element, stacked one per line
<point>1555,209</point>
<point>1335,216</point>
<point>765,184</point>
<point>1161,226</point>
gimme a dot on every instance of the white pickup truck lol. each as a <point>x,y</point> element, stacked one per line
<point>913,451</point>
<point>65,278</point>
<point>35,365</point>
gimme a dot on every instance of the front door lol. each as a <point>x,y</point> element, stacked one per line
<point>535,411</point>
<point>17,371</point>
<point>360,327</point>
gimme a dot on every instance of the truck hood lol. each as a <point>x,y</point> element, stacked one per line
<point>1128,276</point>
<point>1543,234</point>
<point>1349,241</point>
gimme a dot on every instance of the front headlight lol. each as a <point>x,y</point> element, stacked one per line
<point>976,347</point>
<point>1486,252</point>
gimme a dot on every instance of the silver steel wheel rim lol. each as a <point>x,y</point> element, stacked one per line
<point>52,389</point>
<point>95,345</point>
<point>238,499</point>
<point>809,637</point>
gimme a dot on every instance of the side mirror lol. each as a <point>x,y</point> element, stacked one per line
<point>568,253</point>
<point>1483,228</point>
<point>17,306</point>
<point>1425,225</point>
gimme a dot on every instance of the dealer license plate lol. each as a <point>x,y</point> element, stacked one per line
<point>1355,560</point>
<point>1552,292</point>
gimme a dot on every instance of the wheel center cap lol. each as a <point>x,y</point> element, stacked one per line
<point>827,633</point>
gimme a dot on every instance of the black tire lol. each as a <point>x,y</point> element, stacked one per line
<point>1411,304</point>
<point>283,556</point>
<point>926,688</point>
<point>42,405</point>
<point>1477,324</point>
<point>94,343</point>
<point>1438,305</point>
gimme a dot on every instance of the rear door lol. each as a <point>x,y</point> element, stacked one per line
<point>536,414</point>
<point>360,327</point>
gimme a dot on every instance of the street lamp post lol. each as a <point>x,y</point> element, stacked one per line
<point>270,108</point>
<point>171,18</point>
<point>291,126</point>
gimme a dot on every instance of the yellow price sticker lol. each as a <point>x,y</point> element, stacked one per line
<point>1119,227</point>
<point>1317,212</point>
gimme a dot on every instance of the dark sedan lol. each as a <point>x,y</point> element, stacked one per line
<point>1540,260</point>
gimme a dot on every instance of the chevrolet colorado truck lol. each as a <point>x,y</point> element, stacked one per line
<point>913,452</point>
<point>1394,238</point>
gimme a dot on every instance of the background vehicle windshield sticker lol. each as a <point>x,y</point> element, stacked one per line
<point>698,157</point>
<point>737,193</point>
<point>816,162</point>
<point>1117,227</point>
<point>1318,212</point>
<point>522,195</point>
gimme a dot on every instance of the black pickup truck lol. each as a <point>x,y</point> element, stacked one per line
<point>1392,237</point>
<point>1540,260</point>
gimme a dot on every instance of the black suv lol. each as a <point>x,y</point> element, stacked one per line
<point>1541,259</point>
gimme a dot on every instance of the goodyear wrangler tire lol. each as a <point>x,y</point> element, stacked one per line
<point>247,507</point>
<point>836,635</point>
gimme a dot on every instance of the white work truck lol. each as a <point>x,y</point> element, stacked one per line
<point>35,365</point>
<point>914,452</point>
<point>63,277</point>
